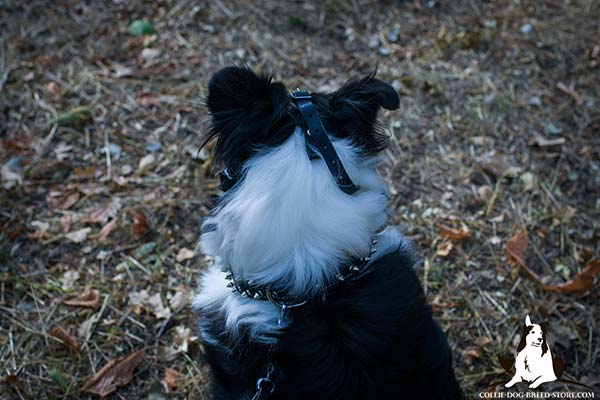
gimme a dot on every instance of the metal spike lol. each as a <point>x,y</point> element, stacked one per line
<point>256,296</point>
<point>250,282</point>
<point>229,275</point>
<point>340,277</point>
<point>230,284</point>
<point>355,268</point>
<point>374,241</point>
<point>244,294</point>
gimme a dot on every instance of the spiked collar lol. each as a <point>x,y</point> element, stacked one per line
<point>354,270</point>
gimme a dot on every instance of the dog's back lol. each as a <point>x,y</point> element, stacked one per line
<point>373,338</point>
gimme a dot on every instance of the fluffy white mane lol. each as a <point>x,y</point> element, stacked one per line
<point>287,224</point>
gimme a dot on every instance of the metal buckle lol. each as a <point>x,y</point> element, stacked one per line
<point>300,94</point>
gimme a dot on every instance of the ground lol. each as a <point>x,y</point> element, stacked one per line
<point>104,185</point>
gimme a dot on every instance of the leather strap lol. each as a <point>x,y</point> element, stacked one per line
<point>316,137</point>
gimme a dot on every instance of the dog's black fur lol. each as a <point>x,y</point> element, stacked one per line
<point>373,338</point>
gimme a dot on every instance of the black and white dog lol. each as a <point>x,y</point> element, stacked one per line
<point>308,297</point>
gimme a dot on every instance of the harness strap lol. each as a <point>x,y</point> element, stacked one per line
<point>316,136</point>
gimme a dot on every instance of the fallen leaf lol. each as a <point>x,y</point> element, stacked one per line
<point>582,282</point>
<point>453,233</point>
<point>13,380</point>
<point>158,308</point>
<point>68,279</point>
<point>89,298</point>
<point>184,254</point>
<point>63,201</point>
<point>141,27</point>
<point>41,230</point>
<point>474,352</point>
<point>444,248</point>
<point>65,223</point>
<point>499,165</point>
<point>149,54</point>
<point>140,223</point>
<point>183,338</point>
<point>146,162</point>
<point>147,100</point>
<point>53,88</point>
<point>115,373</point>
<point>106,230</point>
<point>103,214</point>
<point>179,299</point>
<point>528,180</point>
<point>171,379</point>
<point>79,235</point>
<point>515,250</point>
<point>63,336</point>
<point>143,301</point>
<point>122,71</point>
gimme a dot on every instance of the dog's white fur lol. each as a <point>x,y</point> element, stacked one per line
<point>286,223</point>
<point>531,365</point>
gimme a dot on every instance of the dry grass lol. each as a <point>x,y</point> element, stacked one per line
<point>471,82</point>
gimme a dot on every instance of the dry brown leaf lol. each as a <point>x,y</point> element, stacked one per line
<point>444,248</point>
<point>140,223</point>
<point>515,250</point>
<point>103,214</point>
<point>171,379</point>
<point>65,223</point>
<point>115,373</point>
<point>453,233</point>
<point>89,298</point>
<point>68,340</point>
<point>474,352</point>
<point>62,202</point>
<point>583,282</point>
<point>13,380</point>
<point>106,230</point>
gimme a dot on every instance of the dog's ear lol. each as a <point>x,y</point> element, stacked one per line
<point>243,107</point>
<point>528,321</point>
<point>367,95</point>
<point>544,326</point>
<point>352,111</point>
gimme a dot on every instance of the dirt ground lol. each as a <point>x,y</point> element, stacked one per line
<point>104,187</point>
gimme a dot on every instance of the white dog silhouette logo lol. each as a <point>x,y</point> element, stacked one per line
<point>534,361</point>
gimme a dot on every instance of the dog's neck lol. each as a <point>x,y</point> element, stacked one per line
<point>288,226</point>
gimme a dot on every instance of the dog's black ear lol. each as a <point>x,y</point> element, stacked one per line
<point>367,94</point>
<point>243,107</point>
<point>352,110</point>
<point>544,326</point>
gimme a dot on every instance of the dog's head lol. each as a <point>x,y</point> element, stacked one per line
<point>534,335</point>
<point>250,112</point>
<point>285,221</point>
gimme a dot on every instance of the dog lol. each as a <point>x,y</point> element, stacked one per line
<point>534,363</point>
<point>308,295</point>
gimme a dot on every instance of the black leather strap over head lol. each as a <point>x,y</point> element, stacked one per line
<point>317,139</point>
<point>317,144</point>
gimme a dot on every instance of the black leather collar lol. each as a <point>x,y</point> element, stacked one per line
<point>317,144</point>
<point>354,270</point>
